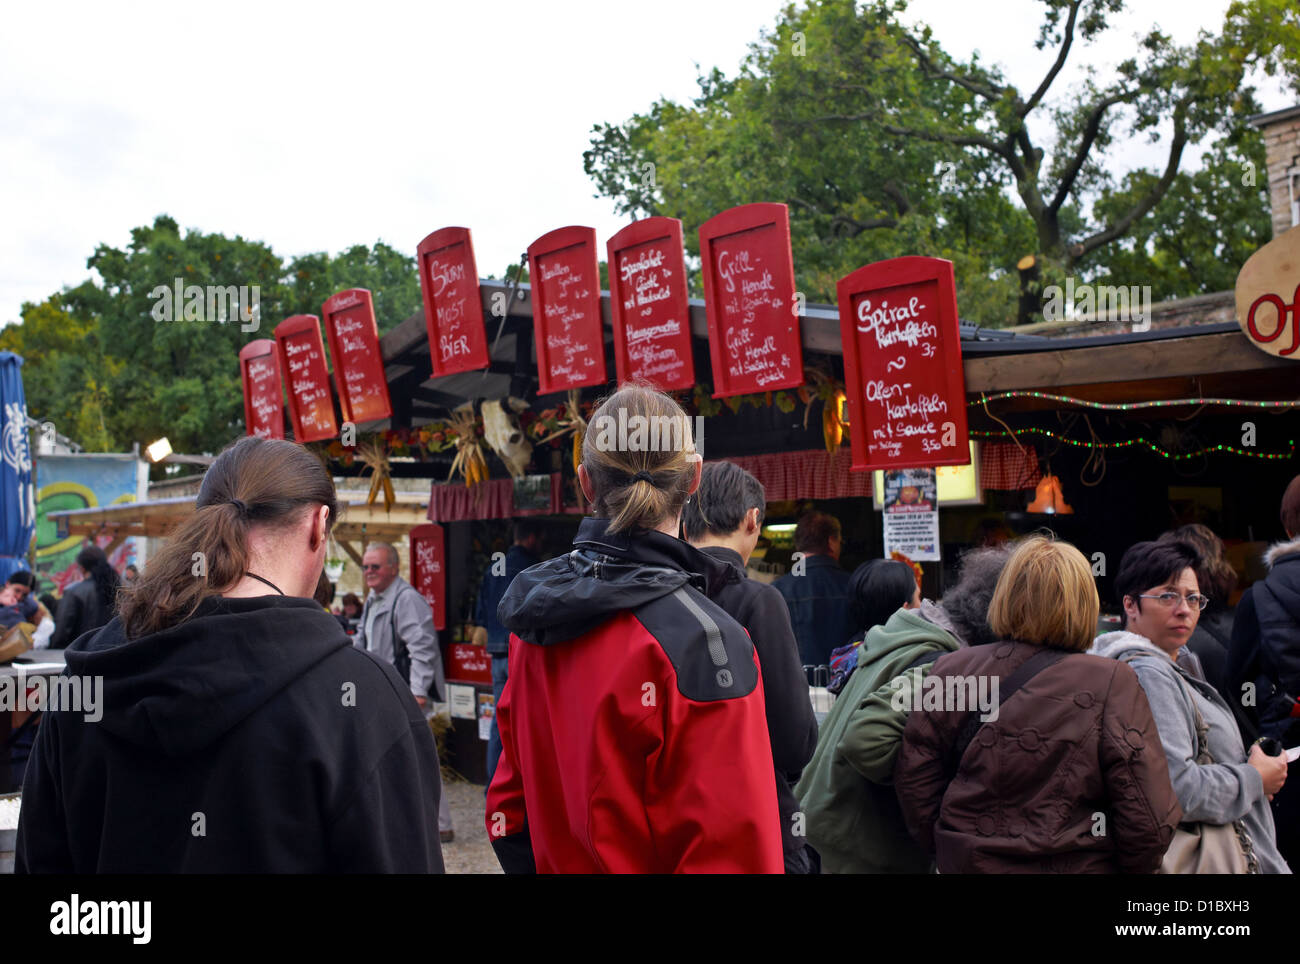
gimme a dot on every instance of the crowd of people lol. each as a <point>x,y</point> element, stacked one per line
<point>653,710</point>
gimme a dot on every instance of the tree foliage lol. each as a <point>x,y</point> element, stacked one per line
<point>884,144</point>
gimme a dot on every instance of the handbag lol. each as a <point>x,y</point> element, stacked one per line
<point>1208,848</point>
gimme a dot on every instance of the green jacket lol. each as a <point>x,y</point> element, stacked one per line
<point>846,794</point>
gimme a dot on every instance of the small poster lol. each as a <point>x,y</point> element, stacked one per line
<point>486,711</point>
<point>912,514</point>
<point>461,700</point>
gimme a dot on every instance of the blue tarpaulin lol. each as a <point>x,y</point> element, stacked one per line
<point>17,493</point>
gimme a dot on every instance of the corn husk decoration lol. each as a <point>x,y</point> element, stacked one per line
<point>573,422</point>
<point>832,423</point>
<point>374,456</point>
<point>470,461</point>
<point>831,393</point>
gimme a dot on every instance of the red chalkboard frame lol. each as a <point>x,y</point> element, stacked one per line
<point>300,324</point>
<point>255,350</point>
<point>477,356</point>
<point>431,531</point>
<point>335,305</point>
<point>892,273</point>
<point>749,217</point>
<point>646,231</point>
<point>549,243</point>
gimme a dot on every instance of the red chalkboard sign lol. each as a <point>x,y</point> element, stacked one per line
<point>354,348</point>
<point>428,569</point>
<point>648,300</point>
<point>902,365</point>
<point>453,311</point>
<point>468,664</point>
<point>567,320</point>
<point>302,360</point>
<point>259,370</point>
<point>749,297</point>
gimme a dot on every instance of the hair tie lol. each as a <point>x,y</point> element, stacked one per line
<point>240,505</point>
<point>644,477</point>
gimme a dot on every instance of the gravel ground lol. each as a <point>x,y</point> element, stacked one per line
<point>470,852</point>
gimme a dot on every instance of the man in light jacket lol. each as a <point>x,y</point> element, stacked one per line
<point>397,625</point>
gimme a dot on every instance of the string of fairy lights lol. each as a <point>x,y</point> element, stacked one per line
<point>1095,443</point>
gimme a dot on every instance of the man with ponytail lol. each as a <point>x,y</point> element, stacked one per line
<point>238,731</point>
<point>632,723</point>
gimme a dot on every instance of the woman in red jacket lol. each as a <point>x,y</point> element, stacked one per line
<point>633,732</point>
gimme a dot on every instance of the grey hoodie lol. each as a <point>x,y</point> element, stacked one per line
<point>1227,790</point>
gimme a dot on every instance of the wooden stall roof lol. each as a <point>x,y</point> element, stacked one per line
<point>1196,360</point>
<point>358,522</point>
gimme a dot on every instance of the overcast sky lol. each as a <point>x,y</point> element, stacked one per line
<point>315,126</point>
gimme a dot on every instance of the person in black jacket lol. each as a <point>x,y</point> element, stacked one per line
<point>1263,667</point>
<point>723,519</point>
<point>89,603</point>
<point>225,723</point>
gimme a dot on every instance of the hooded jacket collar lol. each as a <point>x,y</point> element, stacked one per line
<point>606,573</point>
<point>181,689</point>
<point>1278,551</point>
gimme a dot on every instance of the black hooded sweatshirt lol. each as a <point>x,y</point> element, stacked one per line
<point>252,738</point>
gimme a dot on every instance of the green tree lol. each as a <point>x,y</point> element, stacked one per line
<point>385,272</point>
<point>883,144</point>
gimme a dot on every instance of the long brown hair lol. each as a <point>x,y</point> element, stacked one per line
<point>640,455</point>
<point>265,482</point>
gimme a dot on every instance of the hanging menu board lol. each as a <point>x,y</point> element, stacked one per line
<point>259,371</point>
<point>649,303</point>
<point>453,311</point>
<point>754,336</point>
<point>428,569</point>
<point>302,360</point>
<point>902,365</point>
<point>358,363</point>
<point>567,320</point>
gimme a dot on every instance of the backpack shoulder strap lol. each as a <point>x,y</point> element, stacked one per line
<point>1017,678</point>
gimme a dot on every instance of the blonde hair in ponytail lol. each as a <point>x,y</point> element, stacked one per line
<point>639,453</point>
<point>253,482</point>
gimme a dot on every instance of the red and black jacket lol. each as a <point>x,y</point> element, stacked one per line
<point>633,732</point>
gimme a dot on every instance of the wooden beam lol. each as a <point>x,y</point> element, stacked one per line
<point>350,550</point>
<point>1172,358</point>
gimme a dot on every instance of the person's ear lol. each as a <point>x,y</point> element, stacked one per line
<point>751,521</point>
<point>319,527</point>
<point>585,481</point>
<point>695,478</point>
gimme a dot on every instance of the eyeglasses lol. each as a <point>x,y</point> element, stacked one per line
<point>374,566</point>
<point>1170,599</point>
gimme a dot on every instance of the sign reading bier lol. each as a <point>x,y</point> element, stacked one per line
<point>259,370</point>
<point>567,319</point>
<point>358,363</point>
<point>1268,296</point>
<point>302,360</point>
<point>649,303</point>
<point>453,311</point>
<point>428,571</point>
<point>902,365</point>
<point>749,296</point>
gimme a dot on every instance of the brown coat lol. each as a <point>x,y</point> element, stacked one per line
<point>1070,777</point>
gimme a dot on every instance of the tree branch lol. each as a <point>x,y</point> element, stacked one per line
<point>987,90</point>
<point>1056,67</point>
<point>858,227</point>
<point>1090,132</point>
<point>1121,227</point>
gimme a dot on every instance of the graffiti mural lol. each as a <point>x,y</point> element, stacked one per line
<point>80,482</point>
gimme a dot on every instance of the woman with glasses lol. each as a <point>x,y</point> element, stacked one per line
<point>1217,783</point>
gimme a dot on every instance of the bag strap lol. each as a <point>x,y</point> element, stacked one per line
<point>1018,677</point>
<point>923,660</point>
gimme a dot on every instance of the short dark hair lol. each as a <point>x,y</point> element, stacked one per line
<point>525,529</point>
<point>878,588</point>
<point>815,531</point>
<point>725,494</point>
<point>1291,508</point>
<point>1148,564</point>
<point>24,577</point>
<point>1214,573</point>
